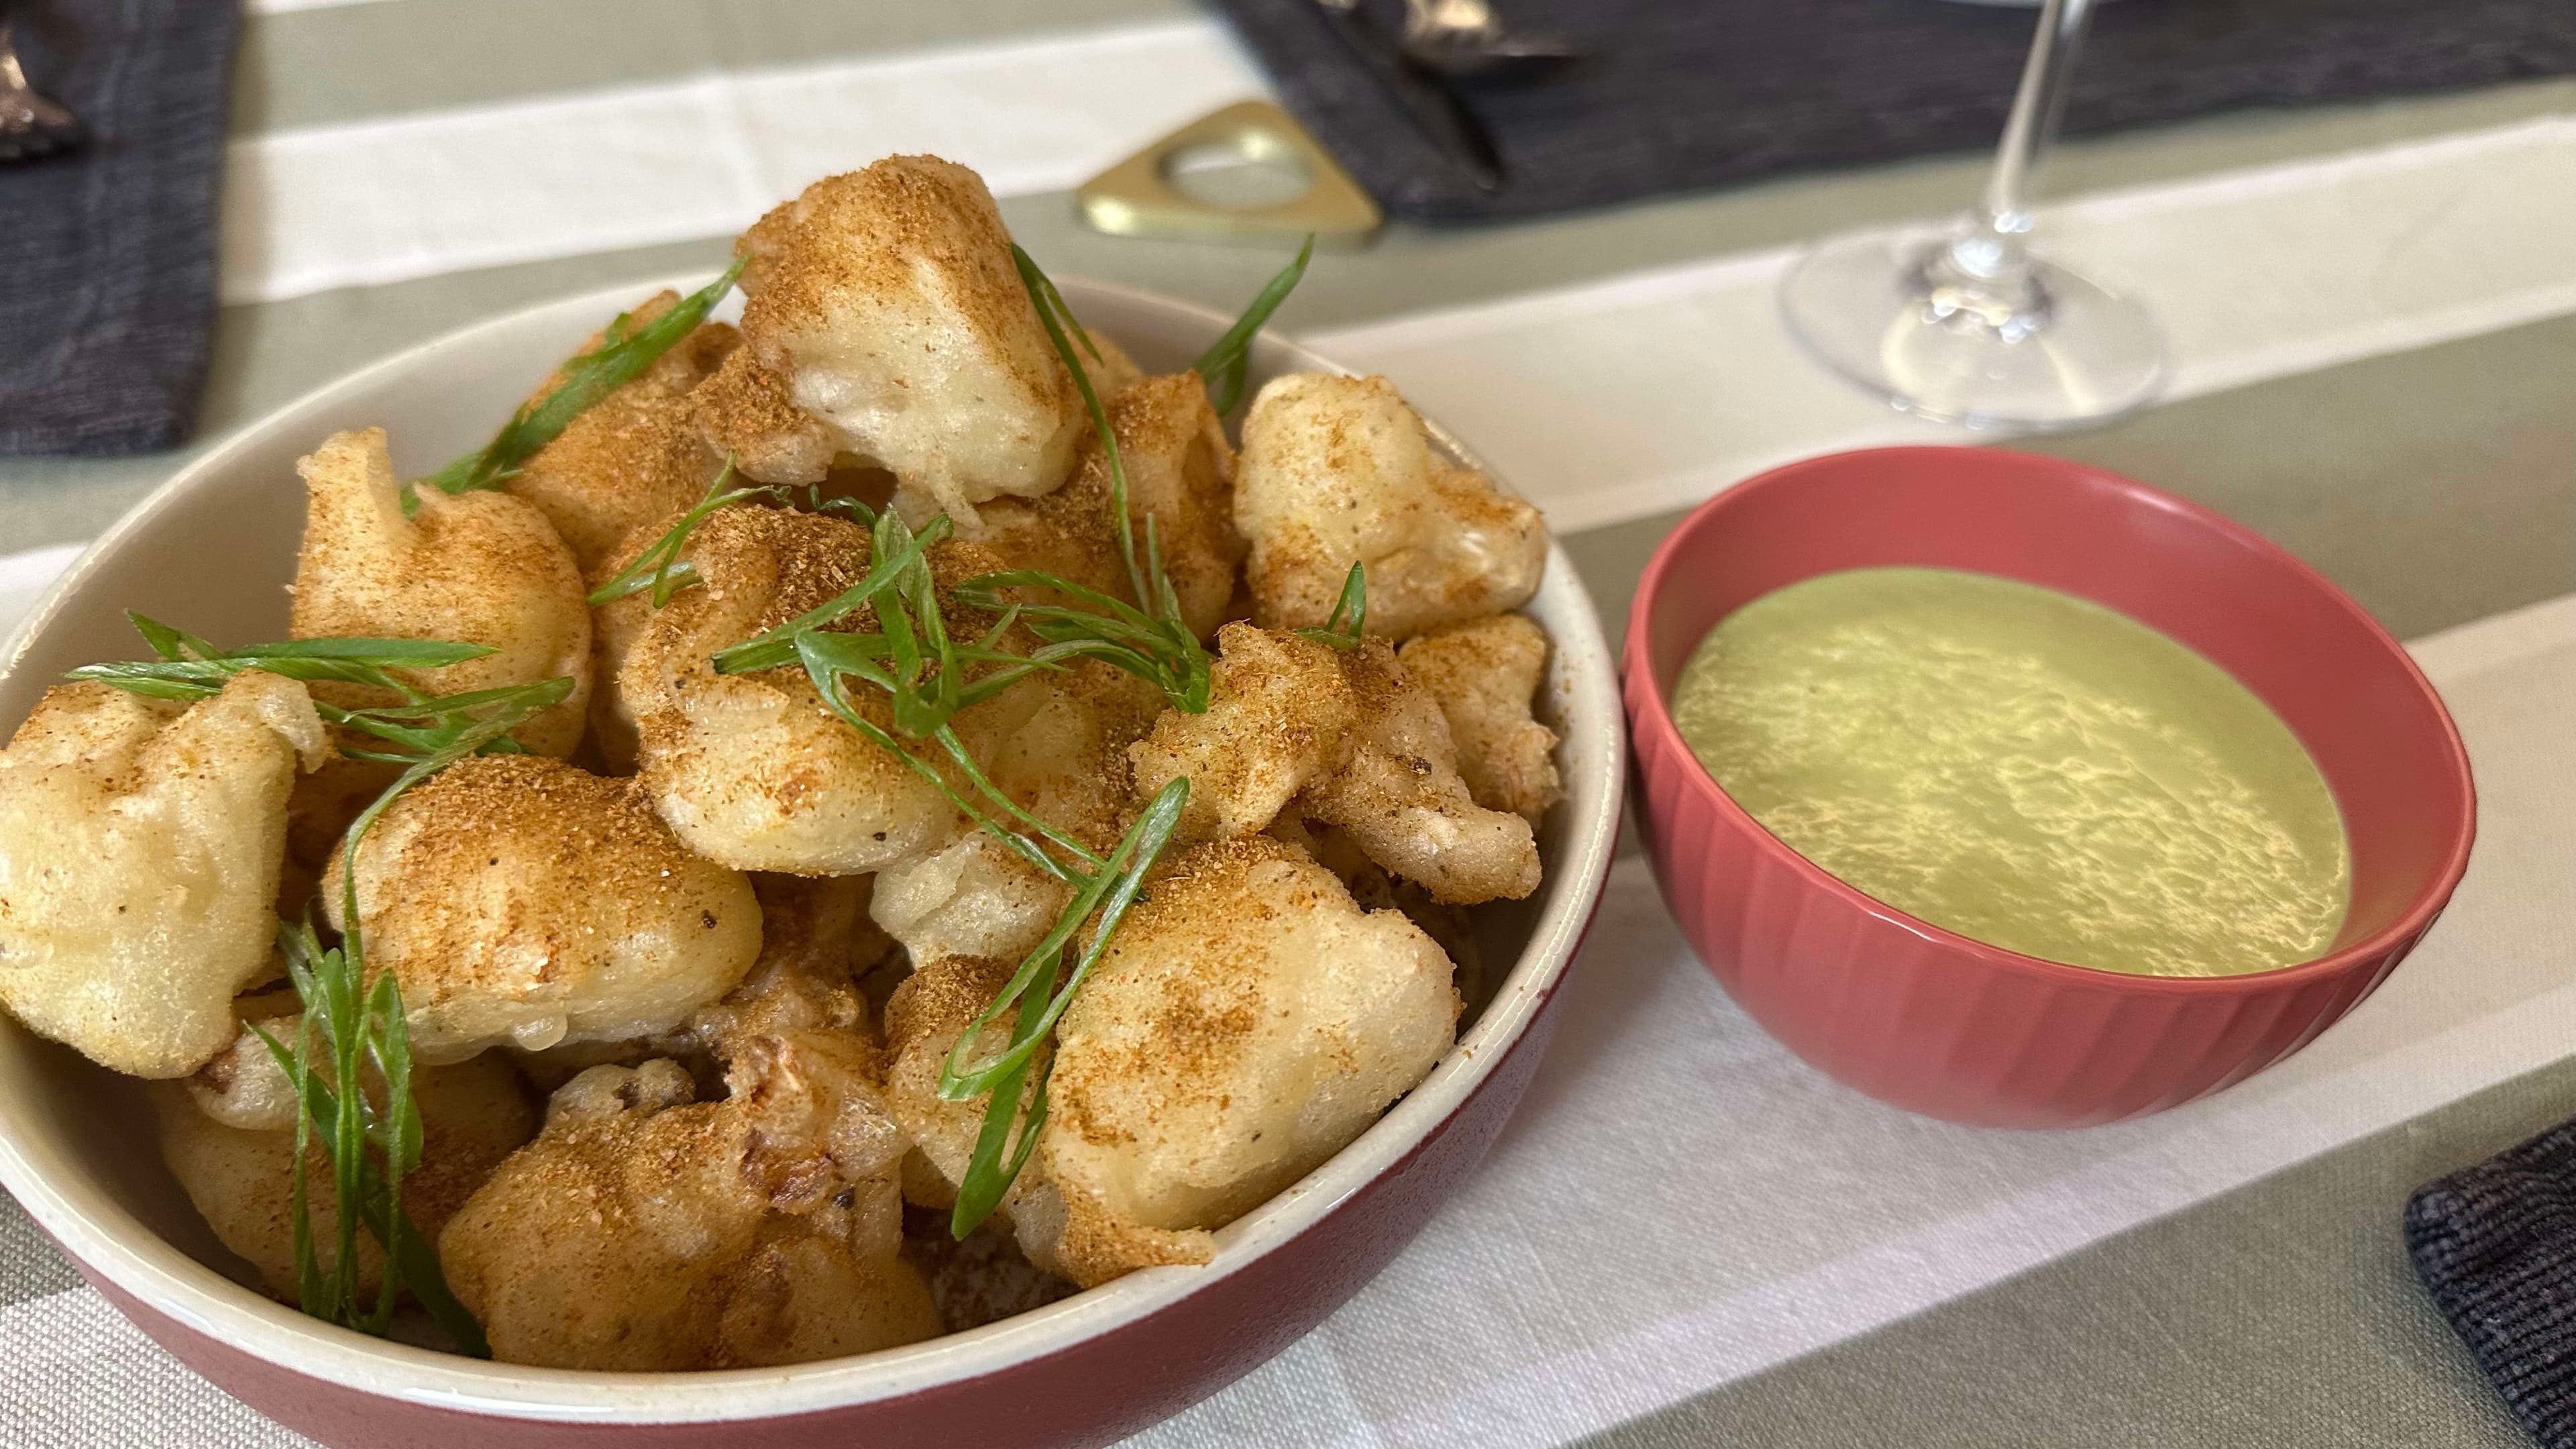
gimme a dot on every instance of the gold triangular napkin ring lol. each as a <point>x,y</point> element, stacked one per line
<point>1137,197</point>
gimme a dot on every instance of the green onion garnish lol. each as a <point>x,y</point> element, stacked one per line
<point>1342,629</point>
<point>1223,366</point>
<point>623,355</point>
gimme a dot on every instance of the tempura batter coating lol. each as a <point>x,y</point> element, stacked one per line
<point>1180,473</point>
<point>746,410</point>
<point>242,1180</point>
<point>1280,717</point>
<point>470,568</point>
<point>635,1234</point>
<point>923,1020</point>
<point>1063,759</point>
<point>973,896</point>
<point>1484,675</point>
<point>139,854</point>
<point>1401,797</point>
<point>633,456</point>
<point>752,770</point>
<point>1376,888</point>
<point>1347,736</point>
<point>815,941</point>
<point>518,899</point>
<point>1337,470</point>
<point>1246,1023</point>
<point>887,300</point>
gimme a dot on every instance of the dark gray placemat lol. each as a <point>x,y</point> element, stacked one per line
<point>107,254</point>
<point>2496,1246</point>
<point>1695,93</point>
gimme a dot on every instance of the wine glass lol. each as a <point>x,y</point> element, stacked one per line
<point>1961,322</point>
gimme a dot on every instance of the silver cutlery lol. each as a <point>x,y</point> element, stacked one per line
<point>1464,40</point>
<point>1420,93</point>
<point>30,124</point>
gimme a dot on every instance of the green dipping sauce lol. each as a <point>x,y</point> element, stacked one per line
<point>2023,767</point>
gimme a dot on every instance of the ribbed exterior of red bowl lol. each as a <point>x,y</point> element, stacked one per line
<point>1944,1025</point>
<point>1912,1019</point>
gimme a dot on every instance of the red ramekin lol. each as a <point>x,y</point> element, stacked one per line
<point>1928,1019</point>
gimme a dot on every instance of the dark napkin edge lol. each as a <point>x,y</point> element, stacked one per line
<point>1324,90</point>
<point>127,372</point>
<point>2495,1247</point>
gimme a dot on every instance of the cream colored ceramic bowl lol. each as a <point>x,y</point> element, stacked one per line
<point>213,549</point>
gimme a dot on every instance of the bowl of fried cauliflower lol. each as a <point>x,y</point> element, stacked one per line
<point>870,847</point>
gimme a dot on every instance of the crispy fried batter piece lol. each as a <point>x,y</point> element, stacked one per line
<point>139,856</point>
<point>752,770</point>
<point>641,1231</point>
<point>1348,737</point>
<point>1063,760</point>
<point>1247,1021</point>
<point>1180,471</point>
<point>1485,675</point>
<point>633,456</point>
<point>1400,795</point>
<point>1280,717</point>
<point>816,940</point>
<point>229,1138</point>
<point>1337,470</point>
<point>519,899</point>
<point>887,302</point>
<point>1378,889</point>
<point>471,568</point>
<point>746,411</point>
<point>923,1020</point>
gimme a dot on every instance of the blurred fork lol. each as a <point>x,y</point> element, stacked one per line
<point>1464,40</point>
<point>30,125</point>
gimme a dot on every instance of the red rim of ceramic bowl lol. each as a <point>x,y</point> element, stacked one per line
<point>1637,669</point>
<point>109,1240</point>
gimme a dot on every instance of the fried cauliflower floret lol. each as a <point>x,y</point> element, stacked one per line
<point>1280,717</point>
<point>633,456</point>
<point>815,942</point>
<point>887,302</point>
<point>751,770</point>
<point>1180,472</point>
<point>645,1232</point>
<point>140,847</point>
<point>1402,798</point>
<point>521,900</point>
<point>1064,761</point>
<point>470,568</point>
<point>1348,737</point>
<point>242,1177</point>
<point>745,410</point>
<point>972,896</point>
<point>1247,1022</point>
<point>923,1020</point>
<point>1484,675</point>
<point>1378,889</point>
<point>1337,470</point>
<point>614,629</point>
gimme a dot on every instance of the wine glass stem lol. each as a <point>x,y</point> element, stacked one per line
<point>1994,249</point>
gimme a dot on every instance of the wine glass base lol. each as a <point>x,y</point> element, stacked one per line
<point>1873,309</point>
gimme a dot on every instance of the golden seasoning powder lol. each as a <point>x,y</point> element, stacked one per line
<point>2023,767</point>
